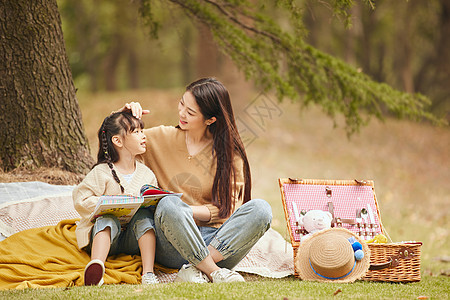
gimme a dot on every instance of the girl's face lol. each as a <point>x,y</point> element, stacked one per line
<point>134,141</point>
<point>189,112</point>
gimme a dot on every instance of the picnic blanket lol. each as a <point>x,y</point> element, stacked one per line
<point>34,255</point>
<point>49,257</point>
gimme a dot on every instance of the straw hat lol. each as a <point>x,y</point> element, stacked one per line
<point>329,256</point>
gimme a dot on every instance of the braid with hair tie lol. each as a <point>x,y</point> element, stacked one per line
<point>108,159</point>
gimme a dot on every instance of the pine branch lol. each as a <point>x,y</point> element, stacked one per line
<point>235,20</point>
<point>278,60</point>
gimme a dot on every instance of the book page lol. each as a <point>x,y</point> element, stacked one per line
<point>121,206</point>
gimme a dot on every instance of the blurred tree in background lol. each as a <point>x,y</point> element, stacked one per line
<point>109,49</point>
<point>401,43</point>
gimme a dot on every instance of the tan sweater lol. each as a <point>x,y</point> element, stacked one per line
<point>99,181</point>
<point>176,170</point>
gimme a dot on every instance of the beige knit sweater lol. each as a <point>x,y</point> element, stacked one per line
<point>176,170</point>
<point>99,181</point>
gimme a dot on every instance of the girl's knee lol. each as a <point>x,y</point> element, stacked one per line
<point>142,222</point>
<point>105,221</point>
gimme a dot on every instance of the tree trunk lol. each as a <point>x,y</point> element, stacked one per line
<point>406,50</point>
<point>186,58</point>
<point>441,78</point>
<point>207,53</point>
<point>86,30</point>
<point>112,63</point>
<point>40,123</point>
<point>368,25</point>
<point>351,36</point>
<point>133,68</point>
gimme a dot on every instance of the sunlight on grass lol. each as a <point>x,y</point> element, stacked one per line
<point>290,288</point>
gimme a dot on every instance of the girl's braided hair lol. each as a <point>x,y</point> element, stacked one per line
<point>118,123</point>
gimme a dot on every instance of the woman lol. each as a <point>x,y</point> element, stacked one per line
<point>215,224</point>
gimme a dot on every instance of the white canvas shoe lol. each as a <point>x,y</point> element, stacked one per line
<point>189,273</point>
<point>225,275</point>
<point>149,278</point>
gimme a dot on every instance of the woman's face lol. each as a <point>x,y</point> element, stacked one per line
<point>189,112</point>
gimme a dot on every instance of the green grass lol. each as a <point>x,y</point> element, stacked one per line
<point>288,288</point>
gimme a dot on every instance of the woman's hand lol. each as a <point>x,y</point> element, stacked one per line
<point>136,109</point>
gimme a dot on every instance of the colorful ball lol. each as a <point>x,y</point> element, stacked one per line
<point>356,246</point>
<point>359,254</point>
<point>352,239</point>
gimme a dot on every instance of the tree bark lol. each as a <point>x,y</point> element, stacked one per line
<point>186,58</point>
<point>86,31</point>
<point>133,68</point>
<point>207,53</point>
<point>40,120</point>
<point>405,59</point>
<point>112,63</point>
<point>368,25</point>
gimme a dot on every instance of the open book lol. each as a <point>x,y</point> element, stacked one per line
<point>124,206</point>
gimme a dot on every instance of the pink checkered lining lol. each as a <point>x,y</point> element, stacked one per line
<point>346,200</point>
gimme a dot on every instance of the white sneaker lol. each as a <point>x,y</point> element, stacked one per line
<point>189,273</point>
<point>93,273</point>
<point>225,275</point>
<point>149,278</point>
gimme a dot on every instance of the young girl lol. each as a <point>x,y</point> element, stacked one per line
<point>121,138</point>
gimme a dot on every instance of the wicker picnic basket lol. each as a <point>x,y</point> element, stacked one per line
<point>394,262</point>
<point>391,262</point>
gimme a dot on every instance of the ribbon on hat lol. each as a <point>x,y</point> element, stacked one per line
<point>332,278</point>
<point>359,254</point>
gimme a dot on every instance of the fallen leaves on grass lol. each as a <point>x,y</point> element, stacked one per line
<point>337,292</point>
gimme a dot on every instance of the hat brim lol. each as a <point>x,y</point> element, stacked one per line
<point>307,273</point>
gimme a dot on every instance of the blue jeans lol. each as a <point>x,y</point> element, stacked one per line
<point>123,241</point>
<point>179,240</point>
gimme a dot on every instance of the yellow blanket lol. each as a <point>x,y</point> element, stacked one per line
<point>49,257</point>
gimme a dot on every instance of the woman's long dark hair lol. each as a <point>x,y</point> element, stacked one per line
<point>214,101</point>
<point>118,123</point>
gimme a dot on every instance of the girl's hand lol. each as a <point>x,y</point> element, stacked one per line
<point>136,109</point>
